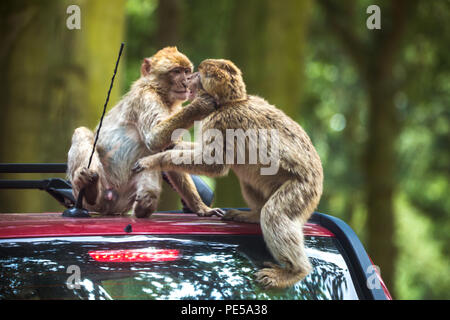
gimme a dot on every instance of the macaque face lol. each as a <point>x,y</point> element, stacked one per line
<point>194,84</point>
<point>178,78</point>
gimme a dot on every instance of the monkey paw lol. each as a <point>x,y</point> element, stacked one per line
<point>145,204</point>
<point>138,167</point>
<point>147,163</point>
<point>87,179</point>
<point>241,216</point>
<point>277,277</point>
<point>269,277</point>
<point>208,212</point>
<point>231,214</point>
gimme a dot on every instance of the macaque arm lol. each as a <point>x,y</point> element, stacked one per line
<point>149,114</point>
<point>186,145</point>
<point>161,134</point>
<point>171,160</point>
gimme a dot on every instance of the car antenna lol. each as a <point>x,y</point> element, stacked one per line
<point>78,211</point>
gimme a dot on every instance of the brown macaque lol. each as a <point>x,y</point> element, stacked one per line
<point>110,188</point>
<point>281,201</point>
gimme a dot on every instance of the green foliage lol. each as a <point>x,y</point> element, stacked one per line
<point>140,36</point>
<point>335,115</point>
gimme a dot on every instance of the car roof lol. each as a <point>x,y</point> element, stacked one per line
<point>30,225</point>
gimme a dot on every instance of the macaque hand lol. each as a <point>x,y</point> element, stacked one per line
<point>208,212</point>
<point>147,163</point>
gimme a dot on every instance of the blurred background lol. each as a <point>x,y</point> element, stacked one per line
<point>376,103</point>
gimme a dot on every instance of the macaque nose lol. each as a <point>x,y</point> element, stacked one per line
<point>185,81</point>
<point>193,76</point>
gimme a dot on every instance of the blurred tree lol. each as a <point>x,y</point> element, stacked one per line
<point>168,14</point>
<point>169,22</point>
<point>272,63</point>
<point>374,54</point>
<point>52,80</point>
<point>335,113</point>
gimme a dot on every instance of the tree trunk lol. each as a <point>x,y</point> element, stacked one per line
<point>168,33</point>
<point>381,180</point>
<point>375,56</point>
<point>52,80</point>
<point>272,63</point>
<point>281,77</point>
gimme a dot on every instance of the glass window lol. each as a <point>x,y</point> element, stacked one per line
<point>161,267</point>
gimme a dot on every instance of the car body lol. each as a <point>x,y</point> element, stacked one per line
<point>171,255</point>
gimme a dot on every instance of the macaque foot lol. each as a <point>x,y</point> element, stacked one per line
<point>241,216</point>
<point>87,179</point>
<point>277,277</point>
<point>145,204</point>
<point>208,212</point>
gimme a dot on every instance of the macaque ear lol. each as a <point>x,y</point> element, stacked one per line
<point>145,67</point>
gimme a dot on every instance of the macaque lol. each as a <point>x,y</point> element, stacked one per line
<point>110,188</point>
<point>281,202</point>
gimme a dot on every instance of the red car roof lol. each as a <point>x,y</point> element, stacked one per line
<point>30,225</point>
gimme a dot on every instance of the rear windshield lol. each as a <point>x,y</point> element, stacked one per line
<point>161,267</point>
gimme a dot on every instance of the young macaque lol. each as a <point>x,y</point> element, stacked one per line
<point>110,188</point>
<point>280,201</point>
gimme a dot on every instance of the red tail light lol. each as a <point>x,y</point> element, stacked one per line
<point>135,255</point>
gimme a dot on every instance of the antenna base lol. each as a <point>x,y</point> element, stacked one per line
<point>76,213</point>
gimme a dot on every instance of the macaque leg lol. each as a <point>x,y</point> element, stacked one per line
<point>282,220</point>
<point>77,171</point>
<point>183,184</point>
<point>148,191</point>
<point>254,199</point>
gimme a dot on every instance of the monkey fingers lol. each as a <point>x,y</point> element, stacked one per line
<point>277,277</point>
<point>212,212</point>
<point>241,216</point>
<point>218,212</point>
<point>265,278</point>
<point>147,163</point>
<point>145,205</point>
<point>271,277</point>
<point>87,179</point>
<point>230,214</point>
<point>137,168</point>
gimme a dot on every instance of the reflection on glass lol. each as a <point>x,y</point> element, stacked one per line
<point>204,270</point>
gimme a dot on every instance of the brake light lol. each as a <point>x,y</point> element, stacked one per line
<point>135,255</point>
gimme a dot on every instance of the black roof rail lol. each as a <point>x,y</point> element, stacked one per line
<point>33,167</point>
<point>58,188</point>
<point>61,189</point>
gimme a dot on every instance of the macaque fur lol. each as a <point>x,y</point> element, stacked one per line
<point>110,188</point>
<point>282,203</point>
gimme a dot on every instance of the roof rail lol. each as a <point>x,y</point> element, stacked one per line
<point>58,188</point>
<point>61,189</point>
<point>33,167</point>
